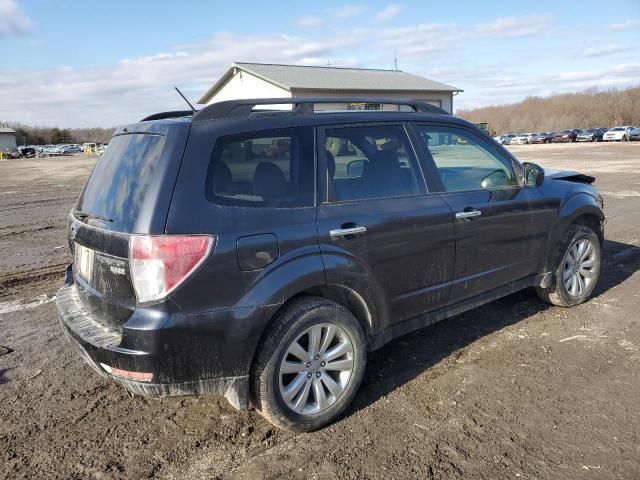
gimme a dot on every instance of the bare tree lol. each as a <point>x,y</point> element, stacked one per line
<point>589,109</point>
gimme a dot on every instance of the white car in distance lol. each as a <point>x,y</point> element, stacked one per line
<point>618,134</point>
<point>521,139</point>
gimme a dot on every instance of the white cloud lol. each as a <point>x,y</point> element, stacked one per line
<point>609,49</point>
<point>134,87</point>
<point>389,12</point>
<point>423,40</point>
<point>12,20</point>
<point>348,11</point>
<point>618,75</point>
<point>127,90</point>
<point>310,21</point>
<point>625,25</point>
<point>514,26</point>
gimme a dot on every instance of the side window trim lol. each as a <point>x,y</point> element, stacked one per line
<point>321,162</point>
<point>429,170</point>
<point>506,159</point>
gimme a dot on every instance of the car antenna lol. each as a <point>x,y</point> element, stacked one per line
<point>185,99</point>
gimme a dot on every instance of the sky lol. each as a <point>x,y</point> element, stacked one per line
<point>85,63</point>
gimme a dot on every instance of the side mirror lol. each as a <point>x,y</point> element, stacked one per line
<point>355,168</point>
<point>533,174</point>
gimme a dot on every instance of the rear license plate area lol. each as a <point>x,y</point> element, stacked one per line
<point>84,262</point>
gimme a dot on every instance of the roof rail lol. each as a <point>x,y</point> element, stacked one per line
<point>172,114</point>
<point>301,106</point>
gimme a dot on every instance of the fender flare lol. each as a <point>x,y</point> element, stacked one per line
<point>334,275</point>
<point>576,206</point>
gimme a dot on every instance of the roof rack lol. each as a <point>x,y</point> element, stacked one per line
<point>163,115</point>
<point>301,106</point>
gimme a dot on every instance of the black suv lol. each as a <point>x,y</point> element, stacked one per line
<point>260,253</point>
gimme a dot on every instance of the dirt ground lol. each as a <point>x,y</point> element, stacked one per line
<point>514,389</point>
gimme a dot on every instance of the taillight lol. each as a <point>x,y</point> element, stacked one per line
<point>160,263</point>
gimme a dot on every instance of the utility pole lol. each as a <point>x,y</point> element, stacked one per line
<point>395,60</point>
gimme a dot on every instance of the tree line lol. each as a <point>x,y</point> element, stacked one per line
<point>28,135</point>
<point>588,109</point>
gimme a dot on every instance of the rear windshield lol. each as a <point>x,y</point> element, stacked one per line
<point>116,188</point>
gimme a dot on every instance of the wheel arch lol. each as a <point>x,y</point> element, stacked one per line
<point>581,209</point>
<point>348,298</point>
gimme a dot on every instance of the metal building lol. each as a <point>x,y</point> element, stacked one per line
<point>260,80</point>
<point>7,138</point>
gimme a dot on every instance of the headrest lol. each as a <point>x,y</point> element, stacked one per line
<point>269,181</point>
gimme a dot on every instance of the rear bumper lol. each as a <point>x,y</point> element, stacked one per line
<point>186,354</point>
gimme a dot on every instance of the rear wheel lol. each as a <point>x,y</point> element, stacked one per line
<point>309,365</point>
<point>578,261</point>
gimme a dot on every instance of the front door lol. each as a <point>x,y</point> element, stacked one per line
<point>500,225</point>
<point>379,229</point>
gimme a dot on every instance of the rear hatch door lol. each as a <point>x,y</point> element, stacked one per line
<point>129,192</point>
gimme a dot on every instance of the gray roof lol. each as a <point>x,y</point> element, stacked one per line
<point>7,130</point>
<point>291,77</point>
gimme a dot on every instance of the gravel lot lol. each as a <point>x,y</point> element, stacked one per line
<point>512,389</point>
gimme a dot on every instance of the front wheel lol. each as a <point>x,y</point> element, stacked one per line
<point>578,260</point>
<point>309,366</point>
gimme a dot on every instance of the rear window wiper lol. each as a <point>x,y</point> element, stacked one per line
<point>84,215</point>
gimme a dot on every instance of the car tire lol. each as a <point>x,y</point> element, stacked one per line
<point>310,394</point>
<point>573,281</point>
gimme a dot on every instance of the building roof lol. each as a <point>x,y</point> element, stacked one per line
<point>291,77</point>
<point>7,130</point>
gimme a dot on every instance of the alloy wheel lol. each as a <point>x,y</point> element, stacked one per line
<point>316,369</point>
<point>579,269</point>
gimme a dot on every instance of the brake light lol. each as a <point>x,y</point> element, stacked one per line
<point>160,263</point>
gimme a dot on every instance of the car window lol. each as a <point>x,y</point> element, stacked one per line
<point>464,163</point>
<point>273,168</point>
<point>370,162</point>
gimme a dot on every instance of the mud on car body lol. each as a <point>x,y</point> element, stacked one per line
<point>260,254</point>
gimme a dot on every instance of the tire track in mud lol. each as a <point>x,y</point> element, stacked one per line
<point>11,280</point>
<point>39,202</point>
<point>8,232</point>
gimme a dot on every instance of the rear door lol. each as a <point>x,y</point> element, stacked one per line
<point>501,227</point>
<point>380,230</point>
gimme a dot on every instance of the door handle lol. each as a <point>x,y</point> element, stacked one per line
<point>468,214</point>
<point>343,232</point>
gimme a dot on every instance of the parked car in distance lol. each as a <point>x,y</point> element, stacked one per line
<point>509,137</point>
<point>618,134</point>
<point>565,136</point>
<point>260,254</point>
<point>590,135</point>
<point>634,134</point>
<point>541,137</point>
<point>521,139</point>
<point>27,152</point>
<point>72,149</point>
<point>503,139</point>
